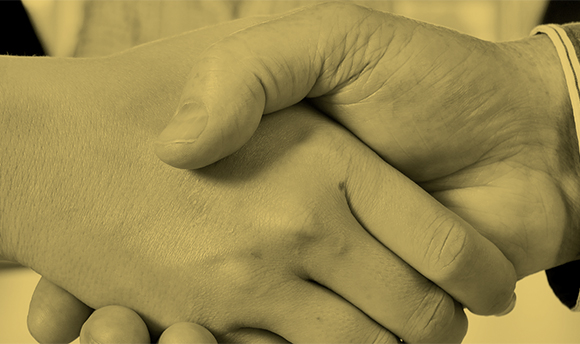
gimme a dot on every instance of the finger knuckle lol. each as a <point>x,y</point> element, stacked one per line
<point>446,255</point>
<point>304,228</point>
<point>317,233</point>
<point>500,296</point>
<point>436,318</point>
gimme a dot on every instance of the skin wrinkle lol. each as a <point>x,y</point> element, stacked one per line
<point>475,160</point>
<point>425,74</point>
<point>446,244</point>
<point>264,68</point>
<point>353,48</point>
<point>368,64</point>
<point>487,183</point>
<point>521,244</point>
<point>397,70</point>
<point>432,185</point>
<point>271,77</point>
<point>459,94</point>
<point>440,248</point>
<point>423,140</point>
<point>431,323</point>
<point>344,53</point>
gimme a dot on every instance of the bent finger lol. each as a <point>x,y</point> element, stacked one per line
<point>384,287</point>
<point>186,332</point>
<point>114,324</point>
<point>431,238</point>
<point>55,315</point>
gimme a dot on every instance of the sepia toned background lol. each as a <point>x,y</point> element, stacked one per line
<point>96,28</point>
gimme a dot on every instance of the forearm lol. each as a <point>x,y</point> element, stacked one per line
<point>36,119</point>
<point>79,176</point>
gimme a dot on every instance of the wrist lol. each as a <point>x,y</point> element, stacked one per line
<point>556,73</point>
<point>550,111</point>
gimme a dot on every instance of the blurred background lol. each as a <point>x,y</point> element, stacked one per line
<point>97,28</point>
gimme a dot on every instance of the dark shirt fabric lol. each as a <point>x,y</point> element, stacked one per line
<point>561,12</point>
<point>565,282</point>
<point>17,33</point>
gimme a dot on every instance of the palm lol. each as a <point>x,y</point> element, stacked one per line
<point>500,188</point>
<point>518,209</point>
<point>499,185</point>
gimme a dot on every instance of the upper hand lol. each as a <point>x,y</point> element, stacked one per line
<point>484,127</point>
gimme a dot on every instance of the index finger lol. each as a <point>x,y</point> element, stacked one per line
<point>431,238</point>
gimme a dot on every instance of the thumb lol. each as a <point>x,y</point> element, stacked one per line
<point>265,68</point>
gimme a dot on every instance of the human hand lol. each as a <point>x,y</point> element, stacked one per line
<point>484,127</point>
<point>291,243</point>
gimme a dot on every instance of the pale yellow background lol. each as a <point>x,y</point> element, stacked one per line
<point>538,316</point>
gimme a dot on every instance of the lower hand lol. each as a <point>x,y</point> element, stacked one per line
<point>256,264</point>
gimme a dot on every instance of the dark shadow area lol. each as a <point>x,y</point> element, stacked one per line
<point>561,12</point>
<point>18,36</point>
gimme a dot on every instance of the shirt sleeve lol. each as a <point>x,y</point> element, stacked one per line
<point>565,279</point>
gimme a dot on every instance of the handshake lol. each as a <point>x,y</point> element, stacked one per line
<point>348,175</point>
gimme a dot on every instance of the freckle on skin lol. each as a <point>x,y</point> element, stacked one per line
<point>342,186</point>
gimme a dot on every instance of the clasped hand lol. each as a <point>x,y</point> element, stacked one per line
<point>441,107</point>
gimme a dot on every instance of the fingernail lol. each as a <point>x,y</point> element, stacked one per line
<point>186,126</point>
<point>510,307</point>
